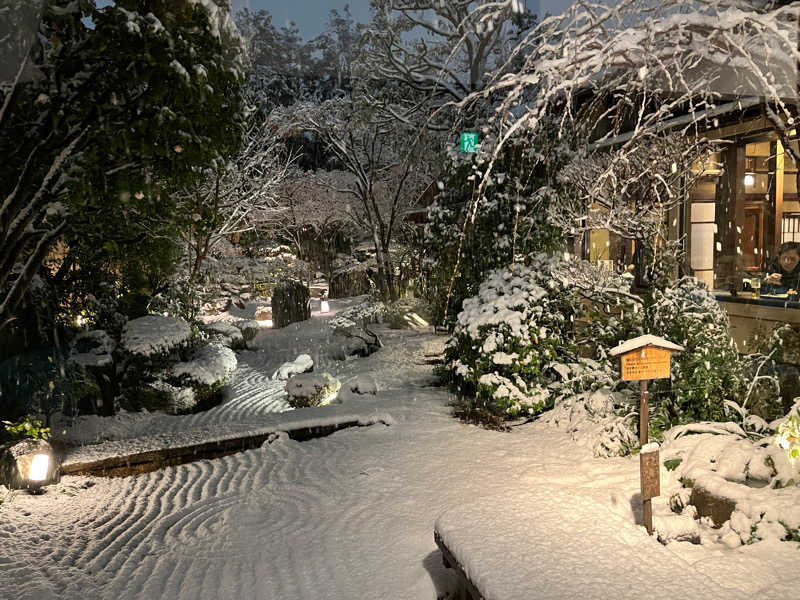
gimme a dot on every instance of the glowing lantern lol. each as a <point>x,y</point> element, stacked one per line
<point>39,467</point>
<point>323,306</point>
<point>27,464</point>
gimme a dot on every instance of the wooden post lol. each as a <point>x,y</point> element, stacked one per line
<point>643,358</point>
<point>644,425</point>
<point>644,413</point>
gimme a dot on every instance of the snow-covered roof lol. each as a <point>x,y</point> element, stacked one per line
<point>643,341</point>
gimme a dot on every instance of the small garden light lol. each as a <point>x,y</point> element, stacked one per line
<point>34,466</point>
<point>29,463</point>
<point>323,303</point>
<point>39,468</point>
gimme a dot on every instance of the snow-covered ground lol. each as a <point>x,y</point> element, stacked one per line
<point>347,516</point>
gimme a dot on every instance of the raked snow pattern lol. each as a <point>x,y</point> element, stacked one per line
<point>345,517</point>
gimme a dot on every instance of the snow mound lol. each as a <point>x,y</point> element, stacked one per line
<point>211,365</point>
<point>154,334</point>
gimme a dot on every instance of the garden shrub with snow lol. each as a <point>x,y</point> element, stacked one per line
<point>510,217</point>
<point>708,372</point>
<point>350,329</point>
<point>312,389</point>
<point>508,337</point>
<point>590,404</point>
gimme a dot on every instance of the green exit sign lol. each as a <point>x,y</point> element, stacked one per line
<point>469,141</point>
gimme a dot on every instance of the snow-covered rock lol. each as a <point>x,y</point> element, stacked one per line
<point>211,366</point>
<point>312,389</point>
<point>364,384</point>
<point>263,313</point>
<point>92,349</point>
<point>248,327</point>
<point>154,335</point>
<point>225,333</point>
<point>302,364</point>
<point>162,396</point>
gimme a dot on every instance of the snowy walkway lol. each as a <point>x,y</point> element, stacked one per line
<point>345,517</point>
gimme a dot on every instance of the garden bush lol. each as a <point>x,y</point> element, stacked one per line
<point>709,371</point>
<point>508,338</point>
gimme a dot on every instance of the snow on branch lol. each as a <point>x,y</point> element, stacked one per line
<point>640,68</point>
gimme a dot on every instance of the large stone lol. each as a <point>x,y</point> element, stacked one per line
<point>349,282</point>
<point>155,335</point>
<point>225,333</point>
<point>290,303</point>
<point>16,459</point>
<point>312,389</point>
<point>302,364</point>
<point>711,504</point>
<point>248,327</point>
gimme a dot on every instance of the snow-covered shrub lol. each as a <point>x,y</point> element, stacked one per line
<point>509,335</point>
<point>364,313</point>
<point>154,335</point>
<point>709,372</point>
<point>312,389</point>
<point>587,403</point>
<point>509,219</point>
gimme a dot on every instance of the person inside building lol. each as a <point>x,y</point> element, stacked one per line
<point>784,270</point>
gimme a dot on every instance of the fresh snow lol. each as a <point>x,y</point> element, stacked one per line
<point>352,515</point>
<point>155,334</point>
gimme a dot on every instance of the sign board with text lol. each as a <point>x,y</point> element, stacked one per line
<point>645,357</point>
<point>646,363</point>
<point>469,142</point>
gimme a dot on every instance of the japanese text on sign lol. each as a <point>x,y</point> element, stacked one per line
<point>645,363</point>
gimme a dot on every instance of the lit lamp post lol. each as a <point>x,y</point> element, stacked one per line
<point>323,303</point>
<point>643,358</point>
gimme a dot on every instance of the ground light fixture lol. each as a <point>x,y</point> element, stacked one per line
<point>29,464</point>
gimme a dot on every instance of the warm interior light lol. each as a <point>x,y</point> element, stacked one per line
<point>749,179</point>
<point>39,466</point>
<point>323,306</point>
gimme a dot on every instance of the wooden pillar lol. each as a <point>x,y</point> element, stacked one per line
<point>779,174</point>
<point>772,231</point>
<point>729,218</point>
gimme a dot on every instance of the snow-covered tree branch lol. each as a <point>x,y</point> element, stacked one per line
<point>622,75</point>
<point>234,196</point>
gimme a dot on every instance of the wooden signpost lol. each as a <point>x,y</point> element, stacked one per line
<point>643,358</point>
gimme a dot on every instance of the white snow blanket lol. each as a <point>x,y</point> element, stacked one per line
<point>574,548</point>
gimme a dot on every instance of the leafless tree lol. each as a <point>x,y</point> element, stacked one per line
<point>234,196</point>
<point>387,166</point>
